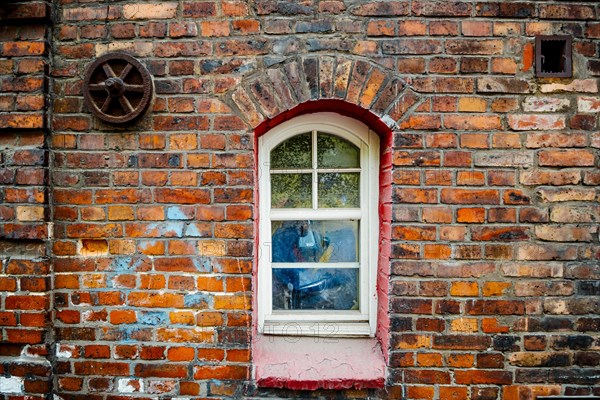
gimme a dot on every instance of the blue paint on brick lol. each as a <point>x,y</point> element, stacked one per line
<point>125,264</point>
<point>197,300</point>
<point>192,231</point>
<point>176,213</point>
<point>121,264</point>
<point>131,333</point>
<point>167,229</point>
<point>202,264</point>
<point>152,317</point>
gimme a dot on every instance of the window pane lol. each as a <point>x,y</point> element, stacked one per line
<point>315,288</point>
<point>291,190</point>
<point>335,152</point>
<point>314,241</point>
<point>339,190</point>
<point>294,153</point>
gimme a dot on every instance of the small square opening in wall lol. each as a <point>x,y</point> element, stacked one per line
<point>553,56</point>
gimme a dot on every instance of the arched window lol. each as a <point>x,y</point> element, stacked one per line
<point>318,227</point>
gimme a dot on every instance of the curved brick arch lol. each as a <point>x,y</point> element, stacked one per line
<point>353,80</point>
<point>350,86</point>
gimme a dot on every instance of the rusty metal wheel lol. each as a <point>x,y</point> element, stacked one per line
<point>117,88</point>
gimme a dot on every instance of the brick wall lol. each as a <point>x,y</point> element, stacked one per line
<point>24,265</point>
<point>494,240</point>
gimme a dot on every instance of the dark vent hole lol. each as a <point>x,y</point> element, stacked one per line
<point>553,56</point>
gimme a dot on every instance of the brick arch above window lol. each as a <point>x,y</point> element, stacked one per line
<point>350,86</point>
<point>372,93</point>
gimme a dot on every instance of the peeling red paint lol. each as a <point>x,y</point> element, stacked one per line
<point>310,363</point>
<point>276,359</point>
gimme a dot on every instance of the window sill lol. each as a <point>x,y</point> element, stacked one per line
<point>310,363</point>
<point>326,330</point>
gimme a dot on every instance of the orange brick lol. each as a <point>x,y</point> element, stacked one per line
<point>461,360</point>
<point>181,353</point>
<point>152,248</point>
<point>470,178</point>
<point>453,233</point>
<point>180,247</point>
<point>215,28</point>
<point>472,104</point>
<point>182,317</point>
<point>504,66</point>
<point>468,289</point>
<point>120,213</point>
<point>122,317</point>
<point>211,355</point>
<point>183,141</point>
<point>420,392</point>
<point>235,302</point>
<point>151,213</point>
<point>437,251</point>
<point>210,284</point>
<point>495,288</point>
<point>491,325</point>
<point>437,214</point>
<point>411,28</point>
<point>453,393</point>
<point>470,215</point>
<point>429,360</point>
<point>474,140</point>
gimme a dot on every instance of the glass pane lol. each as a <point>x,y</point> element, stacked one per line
<point>314,241</point>
<point>339,190</point>
<point>335,152</point>
<point>291,190</point>
<point>315,289</point>
<point>294,153</point>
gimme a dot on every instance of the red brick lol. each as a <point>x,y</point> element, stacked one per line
<point>470,196</point>
<point>182,196</point>
<point>221,372</point>
<point>497,377</point>
<point>101,368</point>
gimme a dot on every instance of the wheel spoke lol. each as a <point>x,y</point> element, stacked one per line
<point>125,71</point>
<point>97,87</point>
<point>126,104</point>
<point>106,104</point>
<point>108,71</point>
<point>134,88</point>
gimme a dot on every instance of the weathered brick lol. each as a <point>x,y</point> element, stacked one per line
<point>567,158</point>
<point>469,196</point>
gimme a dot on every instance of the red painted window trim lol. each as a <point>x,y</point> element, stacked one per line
<point>385,200</point>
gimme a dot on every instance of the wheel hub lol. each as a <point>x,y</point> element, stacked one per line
<point>115,87</point>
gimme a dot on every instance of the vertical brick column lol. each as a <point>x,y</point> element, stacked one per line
<point>24,265</point>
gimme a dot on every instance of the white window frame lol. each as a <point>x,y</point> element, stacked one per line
<point>360,322</point>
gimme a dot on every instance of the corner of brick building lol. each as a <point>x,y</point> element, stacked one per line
<point>25,266</point>
<point>127,252</point>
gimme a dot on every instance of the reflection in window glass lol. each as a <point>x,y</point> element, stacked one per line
<point>339,190</point>
<point>314,241</point>
<point>291,190</point>
<point>335,152</point>
<point>315,289</point>
<point>294,153</point>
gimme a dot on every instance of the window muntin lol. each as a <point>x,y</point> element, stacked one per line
<point>318,226</point>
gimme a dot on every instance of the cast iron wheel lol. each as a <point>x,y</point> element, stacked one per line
<point>117,88</point>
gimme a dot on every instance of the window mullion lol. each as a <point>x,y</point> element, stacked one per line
<point>315,198</point>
